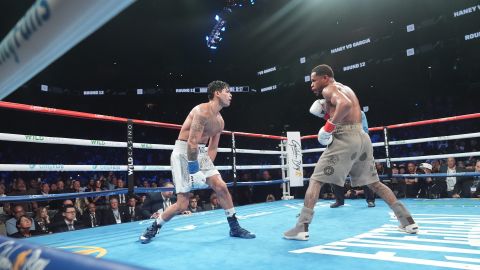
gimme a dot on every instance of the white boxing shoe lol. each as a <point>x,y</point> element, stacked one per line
<point>299,232</point>
<point>411,228</point>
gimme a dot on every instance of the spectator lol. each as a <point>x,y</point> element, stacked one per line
<point>11,224</point>
<point>193,205</point>
<point>42,220</point>
<point>456,186</point>
<point>20,189</point>
<point>24,225</point>
<point>91,218</point>
<point>69,222</point>
<point>122,198</point>
<point>270,198</point>
<point>99,201</point>
<point>114,214</point>
<point>158,201</point>
<point>79,203</point>
<point>134,213</point>
<point>476,194</point>
<point>213,202</point>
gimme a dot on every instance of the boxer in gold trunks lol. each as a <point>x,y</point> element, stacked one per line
<point>349,152</point>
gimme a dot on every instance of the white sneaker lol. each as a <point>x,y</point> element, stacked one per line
<point>412,228</point>
<point>299,232</point>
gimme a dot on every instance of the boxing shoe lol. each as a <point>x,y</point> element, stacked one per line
<point>150,232</point>
<point>236,230</point>
<point>336,204</point>
<point>299,232</point>
<point>411,228</point>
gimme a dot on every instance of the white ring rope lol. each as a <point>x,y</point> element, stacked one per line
<point>421,140</point>
<point>468,154</point>
<point>434,139</point>
<point>101,143</point>
<point>104,168</point>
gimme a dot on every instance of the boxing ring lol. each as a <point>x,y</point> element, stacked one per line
<point>350,237</point>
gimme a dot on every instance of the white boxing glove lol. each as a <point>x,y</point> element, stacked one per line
<point>197,178</point>
<point>325,134</point>
<point>319,109</point>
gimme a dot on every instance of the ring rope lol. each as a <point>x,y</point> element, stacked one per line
<point>113,168</point>
<point>100,143</point>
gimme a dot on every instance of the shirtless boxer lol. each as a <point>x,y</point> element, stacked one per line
<point>349,152</point>
<point>192,164</point>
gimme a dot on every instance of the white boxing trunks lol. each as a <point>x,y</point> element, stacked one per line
<point>179,163</point>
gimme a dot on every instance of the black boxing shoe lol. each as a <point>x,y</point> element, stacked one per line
<point>237,231</point>
<point>336,204</point>
<point>150,232</point>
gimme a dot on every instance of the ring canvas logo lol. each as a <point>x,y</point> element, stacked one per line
<point>97,252</point>
<point>16,256</point>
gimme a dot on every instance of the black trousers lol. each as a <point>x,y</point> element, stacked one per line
<point>340,194</point>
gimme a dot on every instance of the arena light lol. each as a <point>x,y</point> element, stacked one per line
<point>215,36</point>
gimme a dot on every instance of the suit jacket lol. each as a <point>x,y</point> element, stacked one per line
<point>462,185</point>
<point>153,202</point>
<point>122,198</point>
<point>86,219</point>
<point>137,213</point>
<point>209,207</point>
<point>61,226</point>
<point>109,218</point>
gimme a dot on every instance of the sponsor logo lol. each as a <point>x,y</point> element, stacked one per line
<point>24,30</point>
<point>34,138</point>
<point>47,166</point>
<point>97,252</point>
<point>146,146</point>
<point>16,256</point>
<point>97,142</point>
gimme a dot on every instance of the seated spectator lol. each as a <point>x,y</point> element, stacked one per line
<point>455,187</point>
<point>425,183</point>
<point>91,218</point>
<point>134,213</point>
<point>20,189</point>
<point>476,193</point>
<point>69,222</point>
<point>44,190</point>
<point>11,224</point>
<point>24,224</point>
<point>193,205</point>
<point>59,214</point>
<point>122,198</point>
<point>79,203</point>
<point>99,201</point>
<point>270,198</point>
<point>158,201</point>
<point>409,186</point>
<point>213,203</point>
<point>2,194</point>
<point>114,214</point>
<point>42,220</point>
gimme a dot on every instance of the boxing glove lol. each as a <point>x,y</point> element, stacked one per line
<point>325,134</point>
<point>319,109</point>
<point>197,178</point>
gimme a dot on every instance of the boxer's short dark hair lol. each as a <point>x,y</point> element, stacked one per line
<point>216,86</point>
<point>321,70</point>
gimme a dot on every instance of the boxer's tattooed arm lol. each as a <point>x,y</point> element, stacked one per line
<point>196,132</point>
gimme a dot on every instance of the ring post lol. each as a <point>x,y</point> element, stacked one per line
<point>130,167</point>
<point>387,152</point>
<point>234,168</point>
